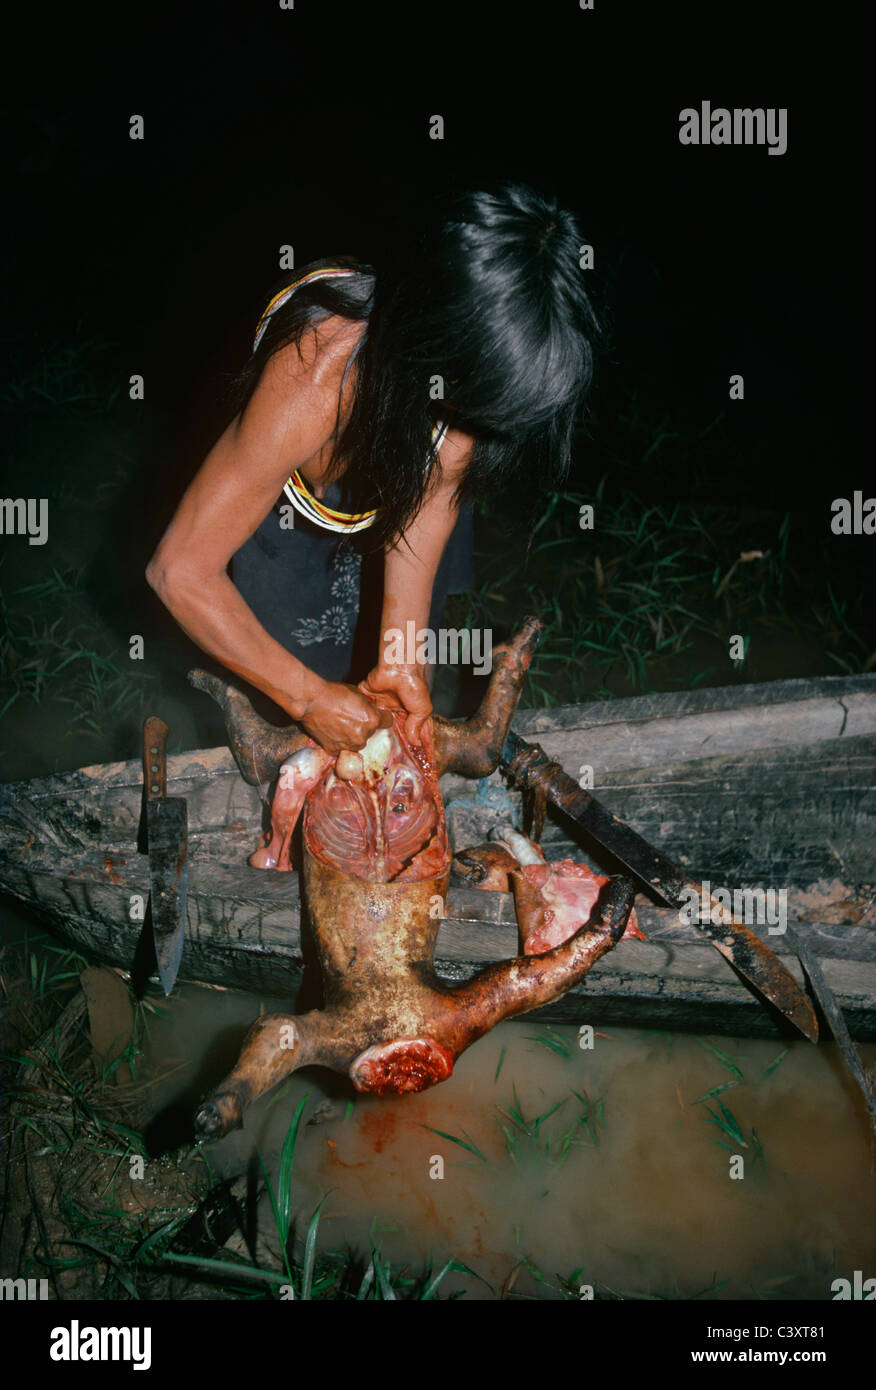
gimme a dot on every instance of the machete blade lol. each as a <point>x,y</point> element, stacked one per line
<point>168,883</point>
<point>167,829</point>
<point>736,942</point>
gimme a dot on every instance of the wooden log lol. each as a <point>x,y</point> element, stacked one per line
<point>244,930</point>
<point>749,786</point>
<point>101,804</point>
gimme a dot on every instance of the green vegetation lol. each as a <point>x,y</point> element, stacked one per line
<point>649,599</point>
<point>531,1140</point>
<point>722,1117</point>
<point>75,375</point>
<point>73,1138</point>
<point>53,650</point>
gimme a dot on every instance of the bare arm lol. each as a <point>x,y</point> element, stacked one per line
<point>409,577</point>
<point>289,417</point>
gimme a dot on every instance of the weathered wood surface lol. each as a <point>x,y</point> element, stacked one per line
<point>95,805</point>
<point>774,815</point>
<point>750,786</point>
<point>244,930</point>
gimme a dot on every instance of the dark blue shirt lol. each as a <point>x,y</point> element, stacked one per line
<point>320,596</point>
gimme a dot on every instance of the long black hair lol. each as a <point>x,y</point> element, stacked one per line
<point>486,305</point>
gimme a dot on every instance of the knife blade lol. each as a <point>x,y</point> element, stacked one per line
<point>167,831</point>
<point>736,942</point>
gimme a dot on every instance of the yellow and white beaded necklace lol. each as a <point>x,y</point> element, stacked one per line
<point>295,488</point>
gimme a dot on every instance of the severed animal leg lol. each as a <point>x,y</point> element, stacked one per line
<point>298,775</point>
<point>516,986</point>
<point>473,748</point>
<point>485,866</point>
<point>259,748</point>
<point>275,1045</point>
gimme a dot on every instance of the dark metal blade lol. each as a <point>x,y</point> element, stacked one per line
<point>166,822</point>
<point>736,942</point>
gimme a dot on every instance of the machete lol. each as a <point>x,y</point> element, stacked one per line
<point>166,826</point>
<point>529,766</point>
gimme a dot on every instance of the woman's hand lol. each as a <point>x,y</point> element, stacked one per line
<point>338,717</point>
<point>408,685</point>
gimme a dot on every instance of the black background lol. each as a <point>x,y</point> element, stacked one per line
<point>310,126</point>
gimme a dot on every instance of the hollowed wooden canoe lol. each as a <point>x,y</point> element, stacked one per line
<point>751,786</point>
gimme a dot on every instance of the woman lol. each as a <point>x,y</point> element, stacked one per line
<point>375,406</point>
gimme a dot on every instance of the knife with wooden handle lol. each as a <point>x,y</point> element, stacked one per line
<point>167,831</point>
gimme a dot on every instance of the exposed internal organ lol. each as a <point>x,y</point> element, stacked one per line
<point>552,901</point>
<point>379,825</point>
<point>406,1064</point>
<point>376,814</point>
<point>298,775</point>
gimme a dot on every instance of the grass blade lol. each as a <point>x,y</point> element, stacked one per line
<point>716,1091</point>
<point>727,1123</point>
<point>283,1206</point>
<point>387,1292</point>
<point>723,1059</point>
<point>310,1255</point>
<point>432,1286</point>
<point>471,1146</point>
<point>367,1279</point>
<point>774,1063</point>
